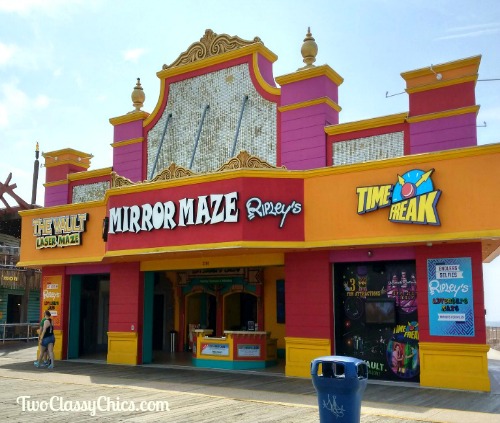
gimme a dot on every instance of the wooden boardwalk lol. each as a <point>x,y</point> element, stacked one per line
<point>194,395</point>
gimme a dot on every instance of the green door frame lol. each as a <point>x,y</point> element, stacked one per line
<point>75,294</point>
<point>147,334</point>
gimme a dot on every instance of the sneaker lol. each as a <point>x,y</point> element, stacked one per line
<point>46,363</point>
<point>36,364</point>
<point>51,366</point>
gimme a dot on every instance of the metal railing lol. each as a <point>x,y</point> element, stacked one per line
<point>493,337</point>
<point>19,331</point>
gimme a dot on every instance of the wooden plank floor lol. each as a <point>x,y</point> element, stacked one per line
<point>200,395</point>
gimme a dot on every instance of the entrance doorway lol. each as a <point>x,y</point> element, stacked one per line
<point>89,317</point>
<point>14,303</point>
<point>159,308</point>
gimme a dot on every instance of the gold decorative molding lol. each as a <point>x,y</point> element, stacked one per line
<point>245,160</point>
<point>209,45</point>
<point>119,181</point>
<point>172,172</point>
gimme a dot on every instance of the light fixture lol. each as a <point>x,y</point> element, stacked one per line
<point>429,244</point>
<point>370,253</point>
<point>438,75</point>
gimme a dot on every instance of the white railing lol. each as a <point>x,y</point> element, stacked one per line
<point>18,331</point>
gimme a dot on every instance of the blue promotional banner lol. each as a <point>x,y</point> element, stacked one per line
<point>451,306</point>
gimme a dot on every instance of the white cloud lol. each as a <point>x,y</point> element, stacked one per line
<point>133,55</point>
<point>52,8</point>
<point>15,103</point>
<point>7,51</point>
<point>471,31</point>
<point>42,102</point>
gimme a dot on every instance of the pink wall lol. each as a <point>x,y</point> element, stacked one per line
<point>308,295</point>
<point>125,298</point>
<point>56,195</point>
<point>128,131</point>
<point>266,70</point>
<point>88,269</point>
<point>378,254</point>
<point>303,138</point>
<point>127,161</point>
<point>308,89</point>
<point>443,134</point>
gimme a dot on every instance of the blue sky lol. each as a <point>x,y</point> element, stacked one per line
<point>67,66</point>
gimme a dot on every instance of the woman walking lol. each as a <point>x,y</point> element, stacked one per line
<point>47,338</point>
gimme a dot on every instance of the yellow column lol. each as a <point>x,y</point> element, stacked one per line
<point>301,351</point>
<point>122,348</point>
<point>456,366</point>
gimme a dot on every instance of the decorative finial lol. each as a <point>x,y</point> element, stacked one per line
<point>309,50</point>
<point>37,148</point>
<point>138,96</point>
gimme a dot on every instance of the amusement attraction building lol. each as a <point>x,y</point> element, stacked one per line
<point>242,222</point>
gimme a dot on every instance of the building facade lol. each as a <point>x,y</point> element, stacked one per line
<point>241,217</point>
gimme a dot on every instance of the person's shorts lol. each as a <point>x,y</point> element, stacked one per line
<point>48,340</point>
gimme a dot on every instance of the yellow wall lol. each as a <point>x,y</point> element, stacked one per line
<point>271,275</point>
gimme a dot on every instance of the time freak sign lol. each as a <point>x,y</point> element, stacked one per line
<point>412,199</point>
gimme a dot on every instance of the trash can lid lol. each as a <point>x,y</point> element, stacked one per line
<point>338,359</point>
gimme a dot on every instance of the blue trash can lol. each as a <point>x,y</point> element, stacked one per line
<point>340,387</point>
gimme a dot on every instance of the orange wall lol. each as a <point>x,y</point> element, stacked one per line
<point>469,201</point>
<point>92,247</point>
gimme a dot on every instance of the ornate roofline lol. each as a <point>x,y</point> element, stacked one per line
<point>211,44</point>
<point>243,160</point>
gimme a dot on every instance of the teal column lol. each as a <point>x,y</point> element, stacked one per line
<point>147,335</point>
<point>75,293</point>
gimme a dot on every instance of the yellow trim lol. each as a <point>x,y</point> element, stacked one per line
<point>203,178</point>
<point>308,103</point>
<point>276,245</point>
<point>129,117</point>
<point>66,151</point>
<point>57,262</point>
<point>446,113</point>
<point>122,347</point>
<point>213,262</point>
<point>454,366</point>
<point>54,163</point>
<point>414,239</point>
<point>361,125</point>
<point>90,174</point>
<point>406,160</point>
<point>301,351</point>
<point>441,84</point>
<point>220,58</point>
<point>468,61</point>
<point>314,72</point>
<point>56,183</point>
<point>128,142</point>
<point>62,208</point>
<point>262,82</point>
